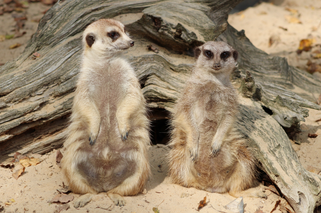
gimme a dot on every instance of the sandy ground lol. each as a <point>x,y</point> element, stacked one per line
<point>34,190</point>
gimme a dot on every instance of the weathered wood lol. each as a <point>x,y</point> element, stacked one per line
<point>36,94</point>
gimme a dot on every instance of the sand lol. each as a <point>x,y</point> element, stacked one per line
<point>34,190</point>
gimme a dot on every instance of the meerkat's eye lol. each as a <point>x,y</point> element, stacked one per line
<point>208,54</point>
<point>224,55</point>
<point>113,35</point>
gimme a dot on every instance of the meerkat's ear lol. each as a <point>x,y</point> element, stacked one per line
<point>197,52</point>
<point>235,55</point>
<point>90,39</point>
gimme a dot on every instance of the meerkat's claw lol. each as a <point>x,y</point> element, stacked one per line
<point>124,136</point>
<point>215,151</point>
<point>82,201</point>
<point>193,154</point>
<point>117,199</point>
<point>92,141</point>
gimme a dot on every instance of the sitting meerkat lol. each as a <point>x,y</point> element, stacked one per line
<point>208,152</point>
<point>108,137</point>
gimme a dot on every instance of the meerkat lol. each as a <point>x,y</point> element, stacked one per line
<point>108,136</point>
<point>208,152</point>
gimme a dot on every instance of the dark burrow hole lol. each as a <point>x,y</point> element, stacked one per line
<point>267,110</point>
<point>160,126</point>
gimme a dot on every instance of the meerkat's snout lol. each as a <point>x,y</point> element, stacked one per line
<point>217,66</point>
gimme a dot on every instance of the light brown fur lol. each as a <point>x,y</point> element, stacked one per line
<point>207,151</point>
<point>107,140</point>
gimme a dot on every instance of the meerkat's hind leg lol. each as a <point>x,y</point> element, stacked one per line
<point>83,200</point>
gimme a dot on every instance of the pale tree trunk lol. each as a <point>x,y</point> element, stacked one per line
<point>36,94</point>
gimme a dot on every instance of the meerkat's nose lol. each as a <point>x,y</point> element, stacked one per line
<point>132,43</point>
<point>217,66</point>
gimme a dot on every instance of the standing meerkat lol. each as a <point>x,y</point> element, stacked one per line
<point>108,137</point>
<point>208,152</point>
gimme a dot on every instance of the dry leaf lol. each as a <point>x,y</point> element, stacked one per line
<point>2,37</point>
<point>274,39</point>
<point>48,2</point>
<point>9,202</point>
<point>273,189</point>
<point>316,54</point>
<point>155,209</point>
<point>9,36</point>
<point>18,34</point>
<point>283,28</point>
<point>293,20</point>
<point>8,164</point>
<point>305,45</point>
<point>8,9</point>
<point>276,205</point>
<point>62,198</point>
<point>285,207</point>
<point>313,67</point>
<point>152,48</point>
<point>293,11</point>
<point>201,204</point>
<point>19,170</point>
<point>16,156</point>
<point>312,135</point>
<point>34,161</point>
<point>15,46</point>
<point>19,9</point>
<point>26,162</point>
<point>58,156</point>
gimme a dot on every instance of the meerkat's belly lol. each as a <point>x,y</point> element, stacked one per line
<point>212,170</point>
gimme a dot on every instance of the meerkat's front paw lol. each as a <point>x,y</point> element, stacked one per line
<point>92,139</point>
<point>216,148</point>
<point>117,199</point>
<point>82,200</point>
<point>124,132</point>
<point>193,153</point>
<point>94,127</point>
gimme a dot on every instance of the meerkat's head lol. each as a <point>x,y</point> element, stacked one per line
<point>105,37</point>
<point>216,57</point>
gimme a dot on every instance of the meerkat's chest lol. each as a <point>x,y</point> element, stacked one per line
<point>213,104</point>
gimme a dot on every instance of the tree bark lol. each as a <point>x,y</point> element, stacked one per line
<point>36,93</point>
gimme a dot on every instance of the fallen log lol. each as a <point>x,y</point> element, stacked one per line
<point>36,93</point>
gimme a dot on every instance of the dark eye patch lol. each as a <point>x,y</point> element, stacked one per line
<point>114,35</point>
<point>224,55</point>
<point>208,54</point>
